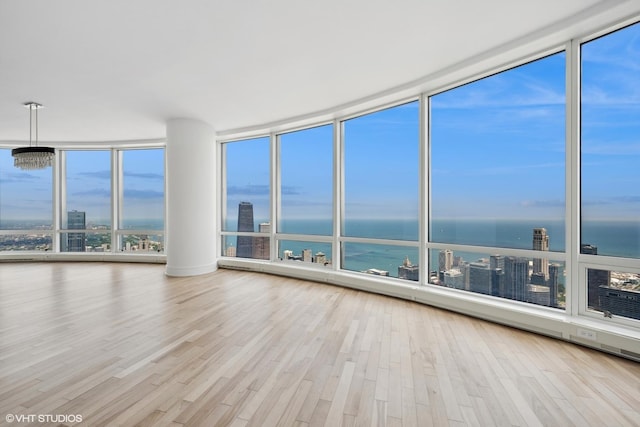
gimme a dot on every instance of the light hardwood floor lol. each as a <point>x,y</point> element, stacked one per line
<point>121,344</point>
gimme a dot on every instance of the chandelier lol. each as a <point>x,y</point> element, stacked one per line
<point>33,157</point>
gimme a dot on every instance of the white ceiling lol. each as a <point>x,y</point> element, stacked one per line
<point>118,69</point>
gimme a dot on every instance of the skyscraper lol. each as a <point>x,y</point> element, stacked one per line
<point>408,271</point>
<point>261,249</point>
<point>621,302</point>
<point>496,261</point>
<point>595,279</point>
<point>516,276</point>
<point>497,281</point>
<point>445,260</point>
<point>541,243</point>
<point>480,277</point>
<point>76,220</point>
<point>244,244</point>
<point>554,277</point>
<point>454,278</point>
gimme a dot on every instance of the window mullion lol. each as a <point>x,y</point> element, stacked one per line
<point>575,292</point>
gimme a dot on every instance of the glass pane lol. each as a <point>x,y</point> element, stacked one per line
<point>306,171</point>
<point>536,281</point>
<point>614,292</point>
<point>381,162</point>
<point>142,243</point>
<point>381,260</point>
<point>311,252</point>
<point>143,189</point>
<point>247,184</point>
<point>498,158</point>
<point>26,242</point>
<point>88,180</point>
<point>255,247</point>
<point>25,197</point>
<point>610,149</point>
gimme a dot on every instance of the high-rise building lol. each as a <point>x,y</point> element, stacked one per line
<point>261,244</point>
<point>464,269</point>
<point>538,294</point>
<point>516,278</point>
<point>595,279</point>
<point>445,260</point>
<point>541,243</point>
<point>538,279</point>
<point>496,261</point>
<point>497,281</point>
<point>621,302</point>
<point>554,277</point>
<point>409,271</point>
<point>480,277</point>
<point>320,258</point>
<point>76,220</point>
<point>454,279</point>
<point>306,255</point>
<point>244,244</point>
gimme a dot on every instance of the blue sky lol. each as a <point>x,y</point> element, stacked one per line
<point>27,194</point>
<point>24,195</point>
<point>498,145</point>
<point>611,126</point>
<point>497,148</point>
<point>381,173</point>
<point>89,184</point>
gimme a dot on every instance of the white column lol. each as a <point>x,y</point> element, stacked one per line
<point>191,198</point>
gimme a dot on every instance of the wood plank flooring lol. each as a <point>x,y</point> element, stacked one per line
<point>122,344</point>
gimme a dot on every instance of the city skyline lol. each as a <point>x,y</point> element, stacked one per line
<point>533,280</point>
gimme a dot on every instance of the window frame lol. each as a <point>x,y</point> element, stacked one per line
<point>59,191</point>
<point>582,262</point>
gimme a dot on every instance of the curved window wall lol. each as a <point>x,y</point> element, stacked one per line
<point>107,201</point>
<point>473,190</point>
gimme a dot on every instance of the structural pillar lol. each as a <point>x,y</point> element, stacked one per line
<point>190,242</point>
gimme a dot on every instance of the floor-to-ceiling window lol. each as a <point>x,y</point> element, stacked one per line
<point>102,196</point>
<point>86,201</point>
<point>497,182</point>
<point>517,187</point>
<point>26,207</point>
<point>381,198</point>
<point>305,195</point>
<point>141,214</point>
<point>610,182</point>
<point>247,199</point>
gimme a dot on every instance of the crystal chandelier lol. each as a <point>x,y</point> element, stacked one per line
<point>33,157</point>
